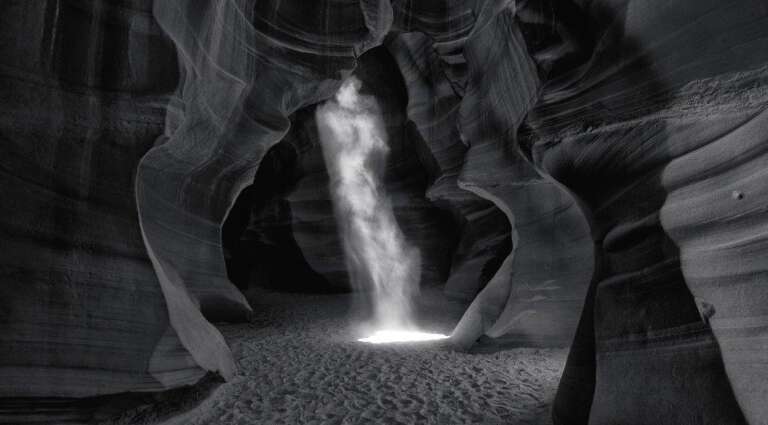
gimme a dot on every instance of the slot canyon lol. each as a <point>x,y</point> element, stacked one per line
<point>547,212</point>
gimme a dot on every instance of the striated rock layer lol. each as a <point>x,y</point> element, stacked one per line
<point>479,97</point>
<point>432,107</point>
<point>655,119</point>
<point>83,87</point>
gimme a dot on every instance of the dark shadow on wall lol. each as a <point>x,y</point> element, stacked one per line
<point>258,238</point>
<point>642,353</point>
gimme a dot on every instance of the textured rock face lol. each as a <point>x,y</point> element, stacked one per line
<point>80,309</point>
<point>537,289</point>
<point>432,107</point>
<point>622,140</point>
<point>656,123</point>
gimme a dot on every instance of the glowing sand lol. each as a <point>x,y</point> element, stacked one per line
<point>386,336</point>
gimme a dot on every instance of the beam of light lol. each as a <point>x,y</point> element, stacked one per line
<point>385,336</point>
<point>380,261</point>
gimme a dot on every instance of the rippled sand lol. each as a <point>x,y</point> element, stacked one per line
<point>300,363</point>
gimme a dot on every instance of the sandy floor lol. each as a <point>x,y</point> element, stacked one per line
<point>300,363</point>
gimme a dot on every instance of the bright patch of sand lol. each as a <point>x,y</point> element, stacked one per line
<point>391,336</point>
